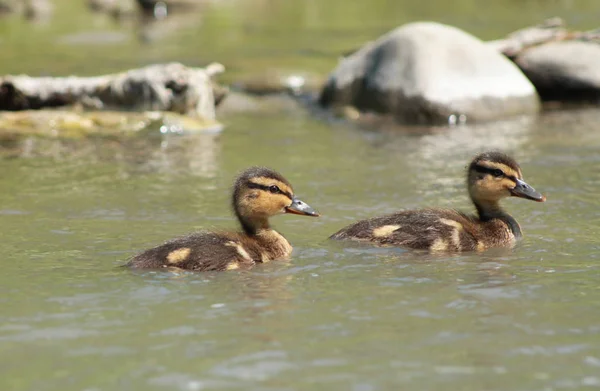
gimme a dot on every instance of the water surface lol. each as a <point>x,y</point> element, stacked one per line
<point>335,316</point>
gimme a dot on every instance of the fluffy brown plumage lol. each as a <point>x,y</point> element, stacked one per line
<point>258,194</point>
<point>491,177</point>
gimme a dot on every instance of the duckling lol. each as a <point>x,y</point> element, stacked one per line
<point>258,194</point>
<point>491,176</point>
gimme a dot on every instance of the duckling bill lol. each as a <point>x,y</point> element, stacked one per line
<point>258,194</point>
<point>491,176</point>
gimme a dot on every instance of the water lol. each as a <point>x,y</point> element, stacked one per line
<point>335,316</point>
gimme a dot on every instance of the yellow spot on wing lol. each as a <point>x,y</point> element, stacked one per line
<point>384,231</point>
<point>240,250</point>
<point>232,266</point>
<point>178,255</point>
<point>452,223</point>
<point>455,232</point>
<point>439,245</point>
<point>480,246</point>
<point>264,257</point>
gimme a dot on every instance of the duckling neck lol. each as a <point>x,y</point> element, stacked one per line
<point>492,210</point>
<point>253,226</point>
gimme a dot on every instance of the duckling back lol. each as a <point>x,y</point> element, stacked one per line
<point>212,251</point>
<point>201,251</point>
<point>436,230</point>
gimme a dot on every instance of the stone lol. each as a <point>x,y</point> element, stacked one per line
<point>566,71</point>
<point>429,73</point>
<point>159,87</point>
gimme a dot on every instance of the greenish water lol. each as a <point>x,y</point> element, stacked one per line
<point>249,36</point>
<point>335,316</point>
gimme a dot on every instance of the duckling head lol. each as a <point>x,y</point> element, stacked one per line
<point>259,193</point>
<point>493,176</point>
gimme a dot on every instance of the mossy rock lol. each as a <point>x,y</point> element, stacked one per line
<point>72,124</point>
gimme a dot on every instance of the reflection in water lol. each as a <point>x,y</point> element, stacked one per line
<point>191,154</point>
<point>256,290</point>
<point>569,129</point>
<point>197,155</point>
<point>452,145</point>
<point>431,162</point>
<point>443,156</point>
<point>270,289</point>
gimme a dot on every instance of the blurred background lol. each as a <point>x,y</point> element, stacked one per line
<point>247,36</point>
<point>334,317</point>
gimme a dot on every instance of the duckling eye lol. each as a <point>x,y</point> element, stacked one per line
<point>497,173</point>
<point>274,189</point>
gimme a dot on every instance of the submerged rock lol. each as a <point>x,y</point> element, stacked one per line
<point>64,124</point>
<point>33,10</point>
<point>565,71</point>
<point>429,73</point>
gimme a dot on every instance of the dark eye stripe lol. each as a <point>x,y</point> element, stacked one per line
<point>487,170</point>
<point>253,185</point>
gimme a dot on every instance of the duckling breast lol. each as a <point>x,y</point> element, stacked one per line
<point>268,245</point>
<point>498,233</point>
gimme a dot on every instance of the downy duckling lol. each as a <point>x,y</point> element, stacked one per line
<point>258,194</point>
<point>491,177</point>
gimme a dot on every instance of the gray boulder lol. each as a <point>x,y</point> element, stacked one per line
<point>429,73</point>
<point>563,70</point>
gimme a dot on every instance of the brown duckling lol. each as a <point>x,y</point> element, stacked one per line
<point>258,194</point>
<point>491,177</point>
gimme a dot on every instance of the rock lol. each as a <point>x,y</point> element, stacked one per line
<point>38,9</point>
<point>161,87</point>
<point>6,7</point>
<point>549,30</point>
<point>192,155</point>
<point>74,125</point>
<point>160,9</point>
<point>563,70</point>
<point>32,10</point>
<point>429,73</point>
<point>102,5</point>
<point>118,9</point>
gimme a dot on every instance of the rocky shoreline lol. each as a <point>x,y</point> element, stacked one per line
<point>421,73</point>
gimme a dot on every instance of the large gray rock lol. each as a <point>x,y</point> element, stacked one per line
<point>429,73</point>
<point>563,70</point>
